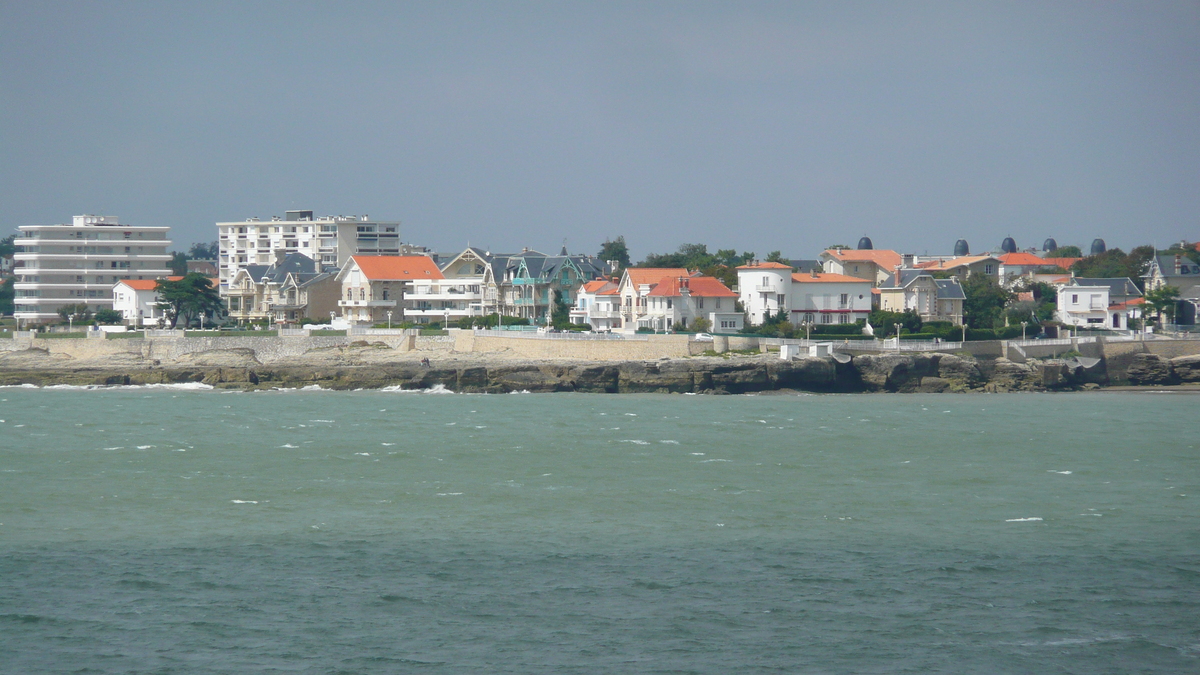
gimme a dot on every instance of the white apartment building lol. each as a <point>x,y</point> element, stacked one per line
<point>816,298</point>
<point>328,240</point>
<point>58,265</point>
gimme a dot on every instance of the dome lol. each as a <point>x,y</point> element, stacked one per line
<point>1098,246</point>
<point>1008,245</point>
<point>961,248</point>
<point>865,244</point>
<point>1050,246</point>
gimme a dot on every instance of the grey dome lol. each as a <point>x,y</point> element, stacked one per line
<point>1098,246</point>
<point>961,248</point>
<point>865,244</point>
<point>1008,245</point>
<point>1050,246</point>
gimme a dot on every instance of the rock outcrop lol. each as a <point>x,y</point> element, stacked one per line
<point>1150,369</point>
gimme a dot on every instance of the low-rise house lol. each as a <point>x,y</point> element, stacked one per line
<point>206,267</point>
<point>598,304</point>
<point>676,302</point>
<point>525,284</point>
<point>1022,265</point>
<point>1099,303</point>
<point>287,291</point>
<point>964,266</point>
<point>1180,272</point>
<point>373,287</point>
<point>916,289</point>
<point>636,283</point>
<point>826,298</point>
<point>764,289</point>
<point>137,301</point>
<point>870,264</point>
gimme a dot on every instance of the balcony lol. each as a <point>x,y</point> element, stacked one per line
<point>767,288</point>
<point>366,303</point>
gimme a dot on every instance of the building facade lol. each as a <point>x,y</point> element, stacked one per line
<point>372,288</point>
<point>57,265</point>
<point>329,240</point>
<point>813,297</point>
<point>917,290</point>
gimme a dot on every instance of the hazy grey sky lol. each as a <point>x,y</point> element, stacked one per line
<point>755,126</point>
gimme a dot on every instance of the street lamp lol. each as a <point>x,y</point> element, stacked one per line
<point>70,322</point>
<point>1023,324</point>
<point>964,326</point>
<point>897,337</point>
<point>389,315</point>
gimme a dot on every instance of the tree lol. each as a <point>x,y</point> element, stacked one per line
<point>985,300</point>
<point>187,298</point>
<point>615,250</point>
<point>701,325</point>
<point>7,247</point>
<point>109,317</point>
<point>1066,252</point>
<point>6,296</point>
<point>1163,300</point>
<point>178,263</point>
<point>776,256</point>
<point>77,313</point>
<point>200,251</point>
<point>1115,263</point>
<point>560,313</point>
<point>884,322</point>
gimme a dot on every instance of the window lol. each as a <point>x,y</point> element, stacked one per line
<point>780,301</point>
<point>843,318</point>
<point>826,318</point>
<point>668,307</point>
<point>845,299</point>
<point>362,294</point>
<point>987,269</point>
<point>1074,299</point>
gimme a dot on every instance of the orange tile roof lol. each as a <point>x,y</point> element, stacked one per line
<point>765,266</point>
<point>706,287</point>
<point>393,267</point>
<point>1064,263</point>
<point>144,284</point>
<point>954,262</point>
<point>827,278</point>
<point>1127,303</point>
<point>1022,258</point>
<point>884,258</point>
<point>650,275</point>
<point>593,286</point>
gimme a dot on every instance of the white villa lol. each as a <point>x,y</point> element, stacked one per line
<point>598,304</point>
<point>1099,303</point>
<point>373,287</point>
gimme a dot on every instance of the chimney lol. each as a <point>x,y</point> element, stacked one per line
<point>898,276</point>
<point>813,272</point>
<point>1178,261</point>
<point>280,254</point>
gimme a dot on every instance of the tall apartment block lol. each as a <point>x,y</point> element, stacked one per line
<point>329,240</point>
<point>58,265</point>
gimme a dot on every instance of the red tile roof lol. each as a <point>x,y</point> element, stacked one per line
<point>144,284</point>
<point>394,267</point>
<point>1064,263</point>
<point>706,287</point>
<point>651,275</point>
<point>827,278</point>
<point>594,286</point>
<point>1022,258</point>
<point>886,259</point>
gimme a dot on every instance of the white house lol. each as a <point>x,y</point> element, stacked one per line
<point>1099,303</point>
<point>137,301</point>
<point>874,266</point>
<point>636,283</point>
<point>827,298</point>
<point>372,287</point>
<point>764,289</point>
<point>676,303</point>
<point>598,304</point>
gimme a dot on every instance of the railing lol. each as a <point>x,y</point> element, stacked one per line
<point>482,332</point>
<point>294,332</point>
<point>368,330</point>
<point>153,332</point>
<point>890,346</point>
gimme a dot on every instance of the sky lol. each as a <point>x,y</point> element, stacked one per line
<point>759,126</point>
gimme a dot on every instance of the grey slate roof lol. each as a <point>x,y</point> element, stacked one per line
<point>907,276</point>
<point>1118,287</point>
<point>806,266</point>
<point>949,289</point>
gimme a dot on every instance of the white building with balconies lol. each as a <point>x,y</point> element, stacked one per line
<point>328,240</point>
<point>57,265</point>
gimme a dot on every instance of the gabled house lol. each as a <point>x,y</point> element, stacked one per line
<point>1182,273</point>
<point>916,289</point>
<point>636,283</point>
<point>525,284</point>
<point>374,287</point>
<point>874,266</point>
<point>1099,303</point>
<point>137,301</point>
<point>674,303</point>
<point>598,304</point>
<point>1024,265</point>
<point>964,266</point>
<point>291,289</point>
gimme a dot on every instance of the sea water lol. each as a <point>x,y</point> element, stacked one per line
<point>167,530</point>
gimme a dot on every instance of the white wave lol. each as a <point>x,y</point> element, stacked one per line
<point>18,426</point>
<point>313,387</point>
<point>636,441</point>
<point>706,461</point>
<point>448,494</point>
<point>146,447</point>
<point>363,454</point>
<point>243,501</point>
<point>19,386</point>
<point>1065,473</point>
<point>435,389</point>
<point>322,421</point>
<point>387,444</point>
<point>523,391</point>
<point>118,447</point>
<point>289,445</point>
<point>1022,520</point>
<point>631,414</point>
<point>698,454</point>
<point>1092,514</point>
<point>670,442</point>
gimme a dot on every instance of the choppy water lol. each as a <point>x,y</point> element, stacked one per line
<point>161,530</point>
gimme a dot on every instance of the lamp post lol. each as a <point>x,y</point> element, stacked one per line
<point>807,331</point>
<point>1023,324</point>
<point>70,322</point>
<point>897,337</point>
<point>964,326</point>
<point>331,315</point>
<point>389,315</point>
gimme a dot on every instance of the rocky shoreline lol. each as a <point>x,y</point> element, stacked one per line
<point>903,373</point>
